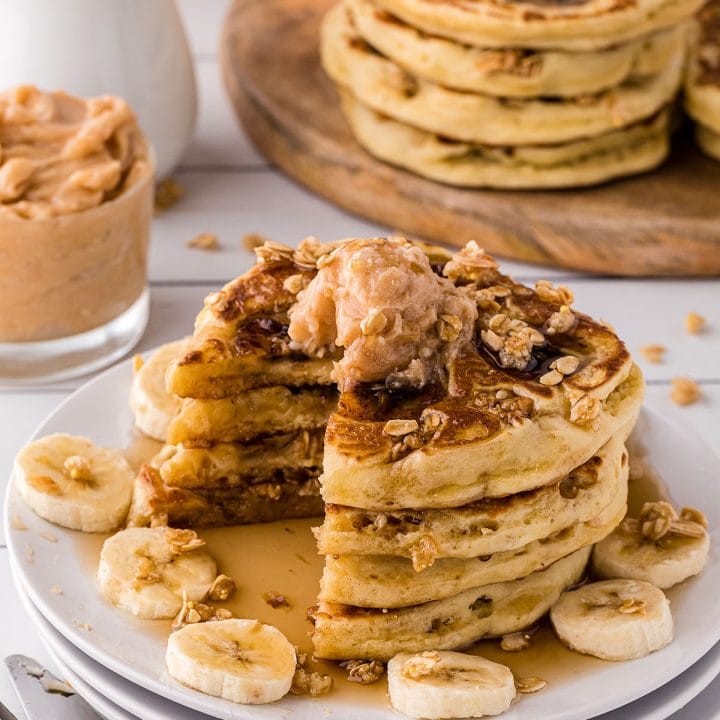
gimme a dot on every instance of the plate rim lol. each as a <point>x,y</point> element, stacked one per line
<point>677,701</point>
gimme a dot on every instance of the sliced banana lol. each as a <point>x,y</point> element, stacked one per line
<point>153,407</point>
<point>71,482</point>
<point>445,684</point>
<point>614,619</point>
<point>659,546</point>
<point>244,661</point>
<point>146,571</point>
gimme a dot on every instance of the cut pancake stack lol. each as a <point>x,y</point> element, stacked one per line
<point>246,443</point>
<point>464,483</point>
<point>510,95</point>
<point>702,84</point>
<point>463,510</point>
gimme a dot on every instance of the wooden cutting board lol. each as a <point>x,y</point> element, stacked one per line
<point>663,223</point>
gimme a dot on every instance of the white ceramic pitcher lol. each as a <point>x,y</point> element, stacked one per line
<point>133,48</point>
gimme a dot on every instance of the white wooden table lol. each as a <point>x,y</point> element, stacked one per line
<point>230,191</point>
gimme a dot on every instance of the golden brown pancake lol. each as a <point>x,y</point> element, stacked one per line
<point>563,24</point>
<point>345,631</point>
<point>483,527</point>
<point>260,411</point>
<point>382,581</point>
<point>221,465</point>
<point>702,82</point>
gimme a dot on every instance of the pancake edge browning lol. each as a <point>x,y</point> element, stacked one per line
<point>515,459</point>
<point>484,527</point>
<point>574,26</point>
<point>381,581</point>
<point>341,631</point>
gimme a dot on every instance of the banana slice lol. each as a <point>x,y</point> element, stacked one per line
<point>614,619</point>
<point>145,571</point>
<point>445,684</point>
<point>71,482</point>
<point>658,547</point>
<point>153,407</point>
<point>243,661</point>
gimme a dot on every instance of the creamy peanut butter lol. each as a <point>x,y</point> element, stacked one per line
<point>75,208</point>
<point>380,300</point>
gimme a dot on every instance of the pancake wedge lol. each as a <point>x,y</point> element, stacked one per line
<point>261,411</point>
<point>577,26</point>
<point>290,494</point>
<point>344,631</point>
<point>230,464</point>
<point>384,86</point>
<point>627,151</point>
<point>240,340</point>
<point>512,71</point>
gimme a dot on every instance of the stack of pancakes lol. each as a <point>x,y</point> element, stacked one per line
<point>453,510</point>
<point>465,508</point>
<point>702,84</point>
<point>246,444</point>
<point>531,94</point>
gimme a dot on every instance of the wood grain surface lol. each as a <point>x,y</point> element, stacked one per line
<point>662,223</point>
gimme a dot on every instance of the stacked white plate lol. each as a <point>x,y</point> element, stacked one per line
<point>117,665</point>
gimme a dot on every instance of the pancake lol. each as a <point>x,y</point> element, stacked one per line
<point>384,86</point>
<point>483,527</point>
<point>709,141</point>
<point>512,72</point>
<point>344,631</point>
<point>702,81</point>
<point>492,430</point>
<point>381,581</point>
<point>240,340</point>
<point>628,151</point>
<point>261,411</point>
<point>575,25</point>
<point>230,464</point>
<point>291,494</point>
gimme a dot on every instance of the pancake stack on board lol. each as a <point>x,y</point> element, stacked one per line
<point>475,453</point>
<point>512,94</point>
<point>702,84</point>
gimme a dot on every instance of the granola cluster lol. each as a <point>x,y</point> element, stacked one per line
<point>658,520</point>
<point>512,409</point>
<point>409,435</point>
<point>192,613</point>
<point>469,264</point>
<point>422,665</point>
<point>308,682</point>
<point>363,672</point>
<point>513,340</point>
<point>183,540</point>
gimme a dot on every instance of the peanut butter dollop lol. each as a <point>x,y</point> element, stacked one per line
<point>60,154</point>
<point>380,300</point>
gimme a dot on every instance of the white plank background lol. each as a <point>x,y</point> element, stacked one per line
<point>231,190</point>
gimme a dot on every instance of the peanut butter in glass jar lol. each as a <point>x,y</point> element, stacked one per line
<point>76,189</point>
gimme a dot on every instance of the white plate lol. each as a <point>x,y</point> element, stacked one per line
<point>108,692</point>
<point>130,648</point>
<point>107,709</point>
